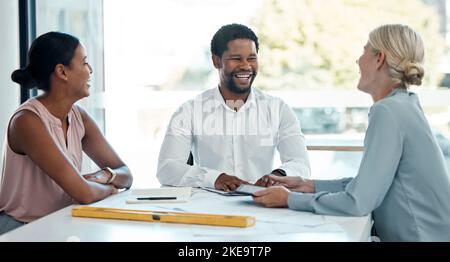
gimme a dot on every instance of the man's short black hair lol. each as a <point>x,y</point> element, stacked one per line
<point>227,33</point>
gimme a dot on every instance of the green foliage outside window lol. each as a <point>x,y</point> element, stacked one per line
<point>311,44</point>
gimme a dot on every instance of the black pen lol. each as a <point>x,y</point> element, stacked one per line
<point>156,198</point>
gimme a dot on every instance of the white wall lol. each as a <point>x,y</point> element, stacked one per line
<point>9,54</point>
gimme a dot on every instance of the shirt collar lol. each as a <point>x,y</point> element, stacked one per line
<point>219,101</point>
<point>397,91</point>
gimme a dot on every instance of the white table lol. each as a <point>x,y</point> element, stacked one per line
<point>272,225</point>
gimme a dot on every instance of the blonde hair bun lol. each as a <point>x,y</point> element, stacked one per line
<point>413,73</point>
<point>404,51</point>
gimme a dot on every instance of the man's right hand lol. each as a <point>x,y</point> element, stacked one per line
<point>294,183</point>
<point>228,183</point>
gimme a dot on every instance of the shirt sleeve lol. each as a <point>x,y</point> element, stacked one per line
<point>291,145</point>
<point>383,146</point>
<point>331,185</point>
<point>172,161</point>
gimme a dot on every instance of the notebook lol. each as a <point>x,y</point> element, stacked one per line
<point>160,195</point>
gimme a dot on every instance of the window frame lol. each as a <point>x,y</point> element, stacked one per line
<point>27,33</point>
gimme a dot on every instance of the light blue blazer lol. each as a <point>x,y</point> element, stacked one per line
<point>402,178</point>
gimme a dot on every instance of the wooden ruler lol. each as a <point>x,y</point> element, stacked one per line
<point>166,217</point>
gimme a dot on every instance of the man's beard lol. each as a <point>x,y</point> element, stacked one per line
<point>234,88</point>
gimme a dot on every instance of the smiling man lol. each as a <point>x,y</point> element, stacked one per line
<point>232,130</point>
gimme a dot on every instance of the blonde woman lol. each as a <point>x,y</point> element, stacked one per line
<point>402,178</point>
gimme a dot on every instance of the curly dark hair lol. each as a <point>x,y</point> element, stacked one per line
<point>227,33</point>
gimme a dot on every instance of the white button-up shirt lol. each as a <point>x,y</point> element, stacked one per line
<point>238,143</point>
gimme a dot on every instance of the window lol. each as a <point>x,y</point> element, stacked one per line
<point>157,57</point>
<point>149,57</point>
<point>83,19</point>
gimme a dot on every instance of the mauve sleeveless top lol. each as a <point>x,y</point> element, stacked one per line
<point>26,192</point>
